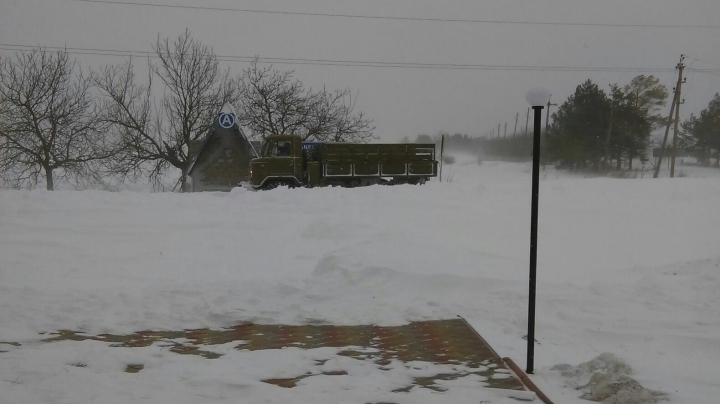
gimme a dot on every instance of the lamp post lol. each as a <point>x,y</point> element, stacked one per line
<point>537,97</point>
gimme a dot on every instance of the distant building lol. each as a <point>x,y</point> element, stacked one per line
<point>222,161</point>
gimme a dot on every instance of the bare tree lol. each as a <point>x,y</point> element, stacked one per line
<point>273,102</point>
<point>346,126</point>
<point>155,125</point>
<point>49,126</point>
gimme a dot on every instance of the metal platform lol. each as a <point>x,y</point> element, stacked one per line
<point>447,342</point>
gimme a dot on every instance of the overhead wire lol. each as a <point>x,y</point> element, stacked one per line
<point>395,18</point>
<point>347,63</point>
<point>710,72</point>
<point>703,61</point>
<point>361,63</point>
<point>690,81</point>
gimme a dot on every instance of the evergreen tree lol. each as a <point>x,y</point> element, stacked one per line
<point>579,128</point>
<point>644,97</point>
<point>620,131</point>
<point>701,134</point>
<point>631,129</point>
<point>647,96</point>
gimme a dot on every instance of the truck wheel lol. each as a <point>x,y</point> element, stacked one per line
<point>270,185</point>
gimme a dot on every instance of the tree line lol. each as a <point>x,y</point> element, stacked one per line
<point>592,128</point>
<point>59,122</point>
<point>701,134</point>
<point>598,130</point>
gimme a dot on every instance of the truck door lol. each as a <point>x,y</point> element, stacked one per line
<point>286,157</point>
<point>283,163</point>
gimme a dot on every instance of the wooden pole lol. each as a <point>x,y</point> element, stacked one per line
<point>527,120</point>
<point>547,116</point>
<point>677,118</point>
<point>667,128</point>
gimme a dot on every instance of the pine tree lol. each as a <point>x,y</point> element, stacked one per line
<point>701,134</point>
<point>644,97</point>
<point>579,128</point>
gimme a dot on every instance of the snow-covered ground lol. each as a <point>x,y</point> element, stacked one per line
<point>629,267</point>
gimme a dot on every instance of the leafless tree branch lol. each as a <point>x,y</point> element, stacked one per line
<point>273,102</point>
<point>156,121</point>
<point>49,122</point>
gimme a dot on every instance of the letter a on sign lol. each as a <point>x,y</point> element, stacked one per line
<point>226,120</point>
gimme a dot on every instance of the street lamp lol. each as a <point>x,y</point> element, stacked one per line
<point>537,97</point>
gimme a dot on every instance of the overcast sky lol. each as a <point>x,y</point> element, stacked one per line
<point>410,101</point>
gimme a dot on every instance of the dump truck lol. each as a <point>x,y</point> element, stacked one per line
<point>288,161</point>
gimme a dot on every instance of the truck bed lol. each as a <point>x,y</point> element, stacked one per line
<point>373,160</point>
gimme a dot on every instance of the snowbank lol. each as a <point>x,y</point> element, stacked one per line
<point>625,266</point>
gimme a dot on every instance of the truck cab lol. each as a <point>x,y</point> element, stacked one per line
<point>280,162</point>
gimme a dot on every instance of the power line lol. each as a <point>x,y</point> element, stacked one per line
<point>381,17</point>
<point>692,77</point>
<point>347,63</point>
<point>704,61</point>
<point>706,71</point>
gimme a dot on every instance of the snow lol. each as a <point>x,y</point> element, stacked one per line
<point>628,267</point>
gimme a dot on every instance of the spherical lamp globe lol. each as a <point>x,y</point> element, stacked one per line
<point>537,97</point>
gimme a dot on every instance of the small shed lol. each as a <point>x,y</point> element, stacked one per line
<point>222,160</point>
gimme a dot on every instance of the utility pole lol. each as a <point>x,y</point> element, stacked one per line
<point>527,120</point>
<point>498,131</point>
<point>676,99</point>
<point>680,66</point>
<point>547,116</point>
<point>516,119</point>
<point>505,133</point>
